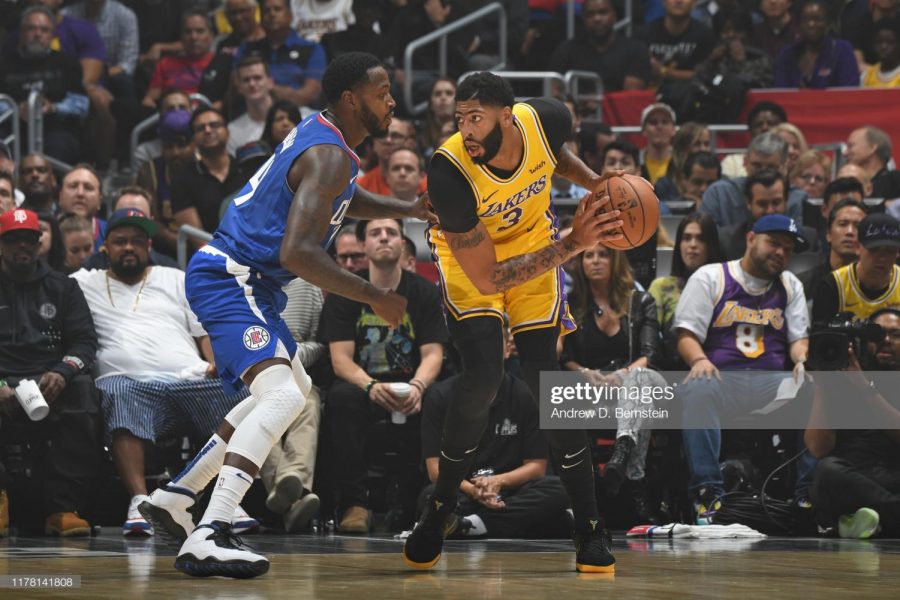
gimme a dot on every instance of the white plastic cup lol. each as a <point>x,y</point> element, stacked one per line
<point>400,390</point>
<point>32,400</point>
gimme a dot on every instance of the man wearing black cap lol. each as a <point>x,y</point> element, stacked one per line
<point>155,382</point>
<point>47,335</point>
<point>870,284</point>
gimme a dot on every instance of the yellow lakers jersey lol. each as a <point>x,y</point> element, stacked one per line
<point>516,208</point>
<point>851,299</point>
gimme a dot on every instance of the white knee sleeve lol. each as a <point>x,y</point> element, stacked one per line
<point>303,380</point>
<point>278,403</point>
<point>240,411</point>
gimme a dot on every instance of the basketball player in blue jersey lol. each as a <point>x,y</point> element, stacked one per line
<point>499,254</point>
<point>277,228</point>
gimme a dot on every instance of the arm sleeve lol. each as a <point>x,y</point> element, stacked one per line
<point>796,313</point>
<point>128,55</point>
<point>556,121</point>
<point>695,307</point>
<point>79,337</point>
<point>451,196</point>
<point>90,42</point>
<point>825,300</point>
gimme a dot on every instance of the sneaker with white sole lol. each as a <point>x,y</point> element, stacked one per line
<point>168,510</point>
<point>241,522</point>
<point>213,550</point>
<point>860,525</point>
<point>135,524</point>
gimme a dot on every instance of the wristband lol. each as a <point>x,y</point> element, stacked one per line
<point>696,360</point>
<point>369,386</point>
<point>418,383</point>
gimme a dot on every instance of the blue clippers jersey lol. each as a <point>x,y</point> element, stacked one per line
<point>253,226</point>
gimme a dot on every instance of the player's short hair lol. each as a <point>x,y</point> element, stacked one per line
<point>347,72</point>
<point>487,88</point>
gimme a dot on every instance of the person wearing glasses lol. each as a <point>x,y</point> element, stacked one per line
<point>401,134</point>
<point>199,187</point>
<point>811,173</point>
<point>348,250</point>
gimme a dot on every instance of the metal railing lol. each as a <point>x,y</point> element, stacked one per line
<point>713,131</point>
<point>440,36</point>
<point>185,232</point>
<point>35,127</point>
<point>153,120</point>
<point>14,138</point>
<point>573,78</point>
<point>624,23</point>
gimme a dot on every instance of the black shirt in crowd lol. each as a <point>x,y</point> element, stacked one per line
<point>623,57</point>
<point>54,75</point>
<point>513,434</point>
<point>384,354</point>
<point>450,192</point>
<point>193,186</point>
<point>683,51</point>
<point>45,325</point>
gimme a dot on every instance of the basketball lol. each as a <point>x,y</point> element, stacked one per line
<point>639,206</point>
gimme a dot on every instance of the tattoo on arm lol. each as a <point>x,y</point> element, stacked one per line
<point>573,168</point>
<point>519,269</point>
<point>467,240</point>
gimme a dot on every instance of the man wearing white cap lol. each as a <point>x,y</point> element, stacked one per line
<point>658,128</point>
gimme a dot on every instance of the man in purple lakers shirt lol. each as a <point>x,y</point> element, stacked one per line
<point>741,317</point>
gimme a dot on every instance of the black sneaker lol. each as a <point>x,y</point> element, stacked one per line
<point>592,553</point>
<point>422,549</point>
<point>614,474</point>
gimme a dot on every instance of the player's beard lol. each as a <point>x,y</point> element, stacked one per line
<point>491,145</point>
<point>372,123</point>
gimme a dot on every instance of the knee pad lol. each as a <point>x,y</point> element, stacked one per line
<point>278,404</point>
<point>304,382</point>
<point>240,411</point>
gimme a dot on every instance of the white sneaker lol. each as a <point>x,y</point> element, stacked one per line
<point>135,524</point>
<point>288,490</point>
<point>168,509</point>
<point>213,550</point>
<point>241,522</point>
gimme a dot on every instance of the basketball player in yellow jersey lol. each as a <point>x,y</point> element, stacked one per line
<point>498,252</point>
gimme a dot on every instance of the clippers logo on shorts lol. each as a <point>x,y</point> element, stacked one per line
<point>47,310</point>
<point>256,338</point>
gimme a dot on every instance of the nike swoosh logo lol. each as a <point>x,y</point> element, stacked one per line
<point>573,455</point>
<point>575,465</point>
<point>491,195</point>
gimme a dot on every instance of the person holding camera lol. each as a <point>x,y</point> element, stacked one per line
<point>739,323</point>
<point>856,485</point>
<point>47,337</point>
<point>869,284</point>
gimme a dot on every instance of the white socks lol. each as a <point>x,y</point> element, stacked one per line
<point>204,467</point>
<point>478,526</point>
<point>229,491</point>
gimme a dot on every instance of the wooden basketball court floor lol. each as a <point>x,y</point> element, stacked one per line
<point>370,568</point>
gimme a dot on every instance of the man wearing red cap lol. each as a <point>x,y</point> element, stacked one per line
<point>47,335</point>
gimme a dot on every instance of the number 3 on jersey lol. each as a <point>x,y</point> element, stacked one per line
<point>512,217</point>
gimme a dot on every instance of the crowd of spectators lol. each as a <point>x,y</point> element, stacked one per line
<point>119,356</point>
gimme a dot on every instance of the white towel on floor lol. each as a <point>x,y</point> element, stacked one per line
<point>705,532</point>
